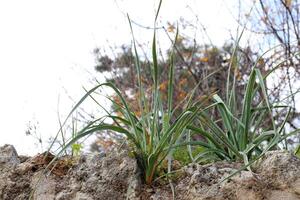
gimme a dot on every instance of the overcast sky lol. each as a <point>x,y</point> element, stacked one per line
<point>46,50</point>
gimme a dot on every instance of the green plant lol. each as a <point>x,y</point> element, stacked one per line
<point>241,131</point>
<point>155,131</point>
<point>297,151</point>
<point>75,147</point>
<point>151,134</point>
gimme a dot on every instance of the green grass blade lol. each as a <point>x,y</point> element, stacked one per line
<point>228,93</point>
<point>246,112</point>
<point>205,134</point>
<point>157,12</point>
<point>171,78</point>
<point>138,70</point>
<point>264,91</point>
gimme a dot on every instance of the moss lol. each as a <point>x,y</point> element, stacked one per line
<point>181,154</point>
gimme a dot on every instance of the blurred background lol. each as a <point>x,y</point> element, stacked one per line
<point>51,51</point>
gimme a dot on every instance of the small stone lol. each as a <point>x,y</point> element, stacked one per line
<point>296,186</point>
<point>82,196</point>
<point>282,195</point>
<point>244,194</point>
<point>8,156</point>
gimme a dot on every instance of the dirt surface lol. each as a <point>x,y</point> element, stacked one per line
<point>116,176</point>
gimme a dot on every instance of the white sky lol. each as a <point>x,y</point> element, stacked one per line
<point>47,45</point>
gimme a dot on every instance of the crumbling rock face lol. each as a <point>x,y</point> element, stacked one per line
<point>275,177</point>
<point>116,176</point>
<point>93,176</point>
<point>96,177</point>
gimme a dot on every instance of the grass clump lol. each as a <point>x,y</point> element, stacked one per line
<point>243,131</point>
<point>154,132</point>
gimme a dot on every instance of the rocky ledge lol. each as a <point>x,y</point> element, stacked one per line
<point>116,176</point>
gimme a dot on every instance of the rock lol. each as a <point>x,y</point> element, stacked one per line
<point>116,176</point>
<point>45,187</point>
<point>277,171</point>
<point>296,186</point>
<point>280,168</point>
<point>282,195</point>
<point>243,194</point>
<point>82,196</point>
<point>8,156</point>
<point>112,177</point>
<point>8,161</point>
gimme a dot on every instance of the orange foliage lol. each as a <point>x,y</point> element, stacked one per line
<point>204,59</point>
